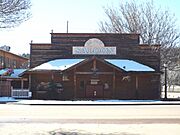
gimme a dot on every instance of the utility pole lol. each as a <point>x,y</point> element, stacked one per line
<point>67,26</point>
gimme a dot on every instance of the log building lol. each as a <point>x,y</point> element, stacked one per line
<point>94,66</point>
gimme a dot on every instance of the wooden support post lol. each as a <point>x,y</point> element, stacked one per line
<point>114,83</point>
<point>22,84</point>
<point>29,82</point>
<point>137,87</point>
<point>52,76</point>
<point>75,85</point>
<point>137,82</point>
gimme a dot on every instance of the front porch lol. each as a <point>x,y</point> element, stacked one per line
<point>12,85</point>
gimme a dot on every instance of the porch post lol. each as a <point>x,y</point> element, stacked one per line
<point>30,82</point>
<point>114,83</point>
<point>75,83</point>
<point>137,87</point>
<point>22,84</point>
<point>52,76</point>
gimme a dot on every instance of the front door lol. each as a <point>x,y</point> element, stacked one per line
<point>94,91</point>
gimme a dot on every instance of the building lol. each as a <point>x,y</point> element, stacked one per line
<point>11,60</point>
<point>94,66</point>
<point>11,66</point>
<point>12,85</point>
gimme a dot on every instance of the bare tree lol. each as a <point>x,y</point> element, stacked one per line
<point>156,26</point>
<point>14,12</point>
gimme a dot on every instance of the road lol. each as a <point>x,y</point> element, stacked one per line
<point>105,119</point>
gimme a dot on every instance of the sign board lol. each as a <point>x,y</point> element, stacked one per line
<point>94,81</point>
<point>94,46</point>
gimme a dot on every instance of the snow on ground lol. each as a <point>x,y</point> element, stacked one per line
<point>54,102</point>
<point>95,102</point>
<point>26,101</point>
<point>82,102</point>
<point>7,99</point>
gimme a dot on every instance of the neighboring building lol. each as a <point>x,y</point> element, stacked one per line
<point>94,66</point>
<point>11,84</point>
<point>13,61</point>
<point>11,66</point>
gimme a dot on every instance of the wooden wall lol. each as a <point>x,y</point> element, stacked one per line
<point>141,85</point>
<point>10,60</point>
<point>5,88</point>
<point>127,46</point>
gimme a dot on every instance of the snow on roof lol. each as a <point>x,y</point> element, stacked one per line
<point>62,64</point>
<point>129,65</point>
<point>59,64</point>
<point>14,72</point>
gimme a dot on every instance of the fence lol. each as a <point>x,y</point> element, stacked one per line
<point>172,92</point>
<point>21,93</point>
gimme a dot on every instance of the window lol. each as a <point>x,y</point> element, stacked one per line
<point>14,63</point>
<point>7,64</point>
<point>1,62</point>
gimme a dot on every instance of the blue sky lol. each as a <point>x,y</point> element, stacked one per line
<point>83,17</point>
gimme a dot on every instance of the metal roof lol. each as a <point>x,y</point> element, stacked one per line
<point>129,65</point>
<point>59,64</point>
<point>14,73</point>
<point>62,64</point>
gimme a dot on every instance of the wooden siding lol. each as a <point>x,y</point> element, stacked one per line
<point>127,47</point>
<point>79,82</point>
<point>10,60</point>
<point>5,88</point>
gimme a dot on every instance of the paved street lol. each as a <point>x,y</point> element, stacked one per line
<point>133,120</point>
<point>10,113</point>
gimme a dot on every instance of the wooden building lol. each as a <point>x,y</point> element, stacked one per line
<point>12,85</point>
<point>11,60</point>
<point>11,65</point>
<point>94,66</point>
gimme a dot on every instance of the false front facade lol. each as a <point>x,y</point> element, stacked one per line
<point>94,66</point>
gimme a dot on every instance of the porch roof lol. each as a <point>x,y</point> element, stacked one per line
<point>59,64</point>
<point>11,73</point>
<point>63,64</point>
<point>129,65</point>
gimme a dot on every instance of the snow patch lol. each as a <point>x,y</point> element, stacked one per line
<point>90,102</point>
<point>7,99</point>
